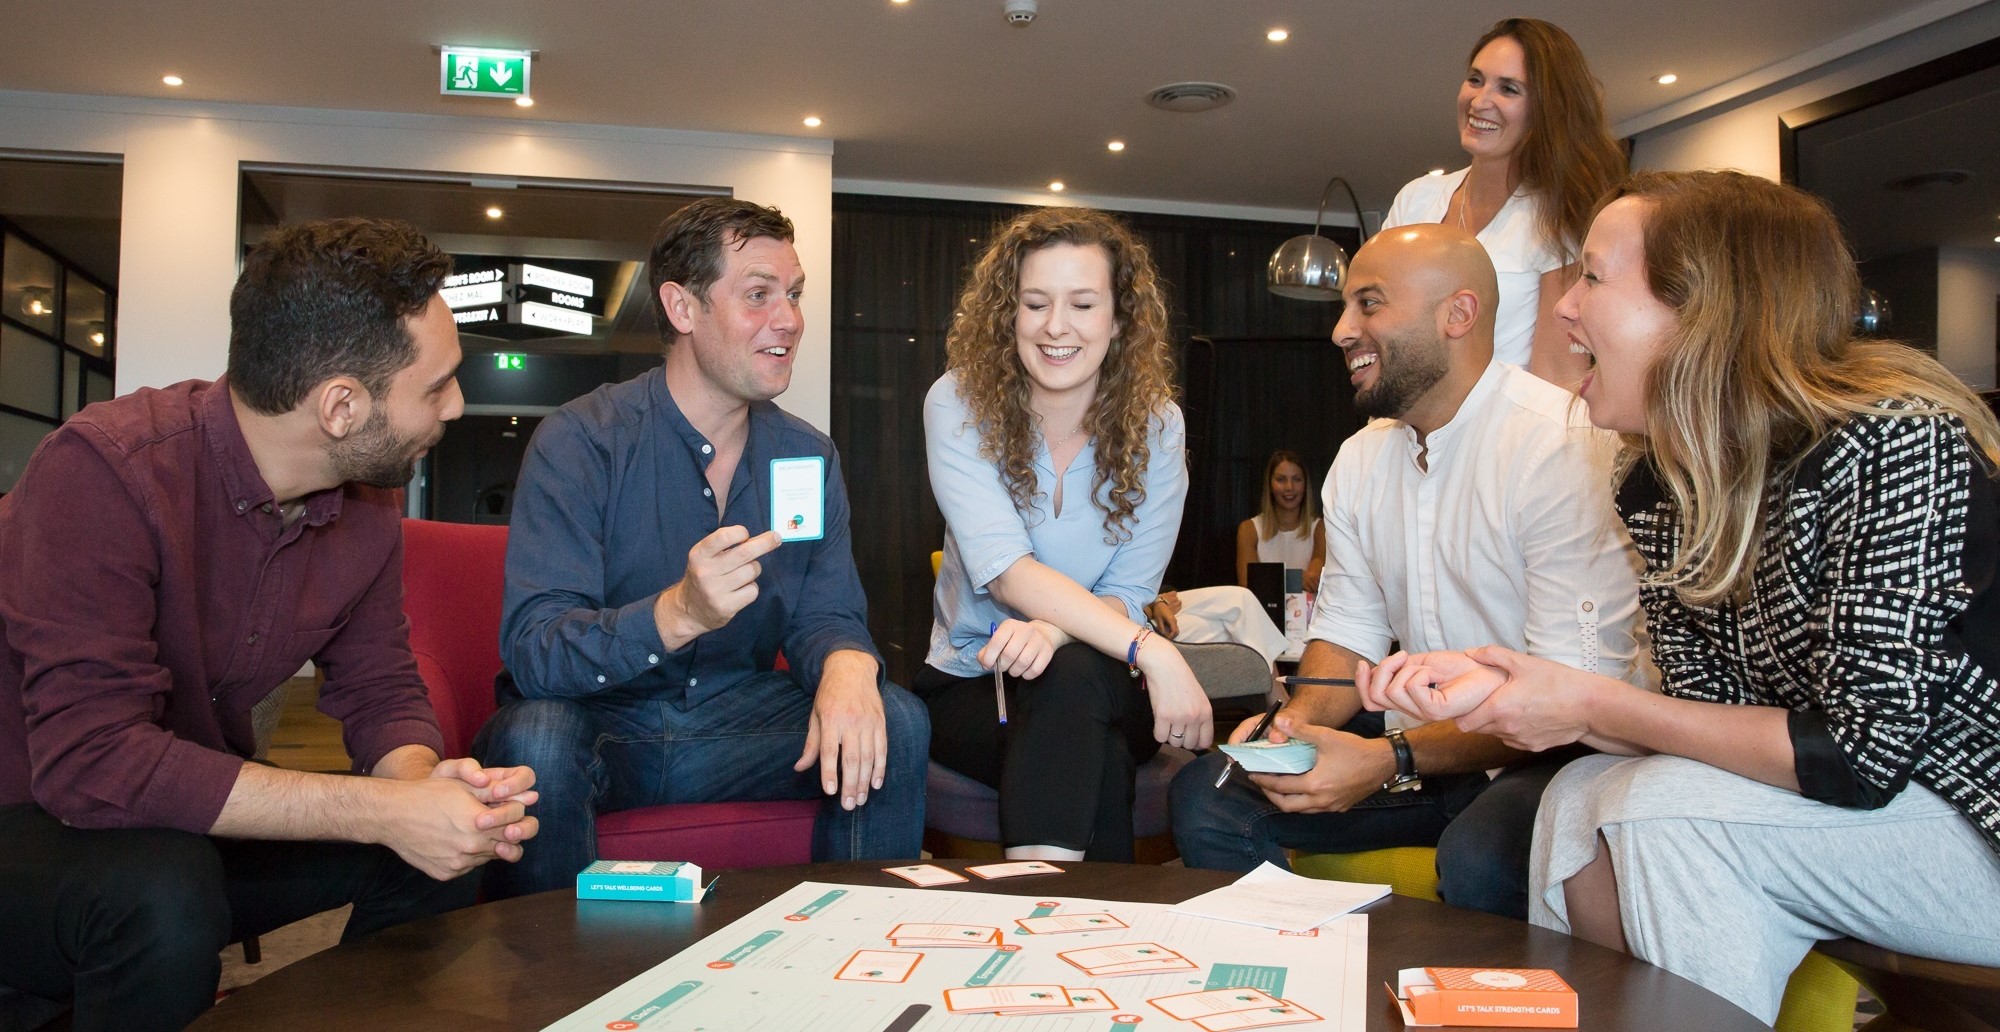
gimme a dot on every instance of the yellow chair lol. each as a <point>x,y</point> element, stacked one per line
<point>1819,998</point>
<point>1407,870</point>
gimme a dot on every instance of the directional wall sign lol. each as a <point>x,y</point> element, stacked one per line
<point>553,287</point>
<point>532,313</point>
<point>528,298</point>
<point>483,72</point>
<point>474,288</point>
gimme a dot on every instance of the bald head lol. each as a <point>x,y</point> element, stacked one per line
<point>1426,264</point>
<point>1418,324</point>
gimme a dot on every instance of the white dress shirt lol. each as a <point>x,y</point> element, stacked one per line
<point>1513,240</point>
<point>1508,536</point>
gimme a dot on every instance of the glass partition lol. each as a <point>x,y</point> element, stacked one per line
<point>59,221</point>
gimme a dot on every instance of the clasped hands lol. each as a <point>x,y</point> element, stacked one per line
<point>1529,703</point>
<point>461,815</point>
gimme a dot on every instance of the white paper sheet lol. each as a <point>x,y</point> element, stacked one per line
<point>1272,897</point>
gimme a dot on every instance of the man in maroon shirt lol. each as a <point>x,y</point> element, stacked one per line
<point>167,560</point>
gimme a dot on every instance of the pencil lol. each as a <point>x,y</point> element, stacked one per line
<point>1262,728</point>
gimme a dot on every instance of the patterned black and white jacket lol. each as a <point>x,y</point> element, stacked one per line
<point>1873,615</point>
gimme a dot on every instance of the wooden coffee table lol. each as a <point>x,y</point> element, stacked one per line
<point>526,962</point>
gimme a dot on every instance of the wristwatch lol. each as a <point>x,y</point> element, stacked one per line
<point>1406,778</point>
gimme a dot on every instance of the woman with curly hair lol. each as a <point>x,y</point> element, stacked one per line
<point>1531,118</point>
<point>1056,454</point>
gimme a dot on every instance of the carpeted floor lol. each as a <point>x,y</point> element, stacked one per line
<point>287,944</point>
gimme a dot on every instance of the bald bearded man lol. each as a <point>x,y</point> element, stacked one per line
<point>1477,508</point>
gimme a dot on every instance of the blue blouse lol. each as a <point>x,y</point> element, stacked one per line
<point>985,534</point>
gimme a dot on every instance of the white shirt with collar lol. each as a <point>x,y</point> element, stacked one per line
<point>1506,536</point>
<point>1513,240</point>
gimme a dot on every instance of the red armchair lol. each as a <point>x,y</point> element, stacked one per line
<point>452,579</point>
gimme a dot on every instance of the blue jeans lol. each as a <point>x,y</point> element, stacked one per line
<point>600,755</point>
<point>1482,829</point>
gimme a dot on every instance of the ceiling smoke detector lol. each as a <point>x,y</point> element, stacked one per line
<point>1020,12</point>
<point>1190,97</point>
<point>1922,181</point>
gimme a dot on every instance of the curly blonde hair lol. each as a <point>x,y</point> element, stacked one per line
<point>1134,385</point>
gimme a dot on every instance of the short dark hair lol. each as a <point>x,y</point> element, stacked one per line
<point>687,248</point>
<point>328,298</point>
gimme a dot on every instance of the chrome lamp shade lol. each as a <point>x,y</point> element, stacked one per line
<point>1307,268</point>
<point>1312,267</point>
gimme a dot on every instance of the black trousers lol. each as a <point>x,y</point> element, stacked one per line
<point>1064,763</point>
<point>126,924</point>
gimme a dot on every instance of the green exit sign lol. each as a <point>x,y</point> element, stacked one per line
<point>483,72</point>
<point>508,360</point>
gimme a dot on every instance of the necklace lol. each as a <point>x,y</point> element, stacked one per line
<point>1068,437</point>
<point>1464,202</point>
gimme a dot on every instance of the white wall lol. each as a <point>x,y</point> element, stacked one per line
<point>1743,133</point>
<point>178,240</point>
<point>1968,293</point>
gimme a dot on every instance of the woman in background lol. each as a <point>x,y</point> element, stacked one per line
<point>1531,118</point>
<point>1285,530</point>
<point>1056,454</point>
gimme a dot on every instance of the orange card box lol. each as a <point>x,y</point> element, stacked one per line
<point>1491,997</point>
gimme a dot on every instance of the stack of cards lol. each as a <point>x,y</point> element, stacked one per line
<point>1022,1000</point>
<point>1055,924</point>
<point>1294,757</point>
<point>913,935</point>
<point>1132,958</point>
<point>1014,869</point>
<point>1225,1010</point>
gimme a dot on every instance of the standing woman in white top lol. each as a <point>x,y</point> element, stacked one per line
<point>1531,117</point>
<point>1057,456</point>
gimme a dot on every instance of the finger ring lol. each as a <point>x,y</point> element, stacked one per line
<point>1177,734</point>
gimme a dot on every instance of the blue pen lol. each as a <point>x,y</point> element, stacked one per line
<point>999,684</point>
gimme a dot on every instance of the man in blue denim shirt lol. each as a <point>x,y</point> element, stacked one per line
<point>648,597</point>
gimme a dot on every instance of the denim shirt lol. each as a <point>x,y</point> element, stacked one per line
<point>985,534</point>
<point>612,495</point>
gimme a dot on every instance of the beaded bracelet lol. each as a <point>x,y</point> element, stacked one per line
<point>1132,651</point>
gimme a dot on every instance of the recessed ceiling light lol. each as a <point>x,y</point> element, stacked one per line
<point>524,102</point>
<point>172,80</point>
<point>97,338</point>
<point>1115,146</point>
<point>494,212</point>
<point>1056,186</point>
<point>1435,172</point>
<point>1278,35</point>
<point>899,1</point>
<point>1667,80</point>
<point>812,121</point>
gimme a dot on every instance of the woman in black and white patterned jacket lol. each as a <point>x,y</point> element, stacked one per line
<point>1818,519</point>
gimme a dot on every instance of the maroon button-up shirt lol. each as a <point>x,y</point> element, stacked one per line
<point>151,594</point>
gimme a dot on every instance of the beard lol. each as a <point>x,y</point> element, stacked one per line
<point>1404,370</point>
<point>375,456</point>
